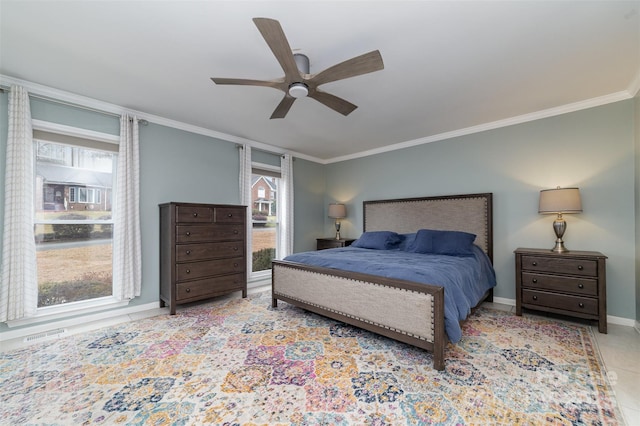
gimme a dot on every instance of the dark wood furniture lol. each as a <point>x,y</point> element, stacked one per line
<point>328,243</point>
<point>406,311</point>
<point>202,252</point>
<point>572,283</point>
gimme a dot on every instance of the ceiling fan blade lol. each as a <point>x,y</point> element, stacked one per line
<point>333,102</point>
<point>274,36</point>
<point>283,107</point>
<point>246,82</point>
<point>363,64</point>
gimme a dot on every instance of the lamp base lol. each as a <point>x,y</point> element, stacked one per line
<point>559,247</point>
<point>559,226</point>
<point>337,230</point>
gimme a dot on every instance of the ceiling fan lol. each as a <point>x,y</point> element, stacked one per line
<point>297,82</point>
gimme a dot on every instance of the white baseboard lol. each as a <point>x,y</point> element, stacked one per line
<point>629,322</point>
<point>102,318</point>
<point>504,301</point>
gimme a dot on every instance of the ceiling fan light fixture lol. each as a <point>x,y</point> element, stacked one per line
<point>298,90</point>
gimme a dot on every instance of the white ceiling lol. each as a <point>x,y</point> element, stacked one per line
<point>449,65</point>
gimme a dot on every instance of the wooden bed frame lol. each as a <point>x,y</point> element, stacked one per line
<point>406,311</point>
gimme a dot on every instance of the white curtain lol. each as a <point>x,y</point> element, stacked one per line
<point>19,285</point>
<point>127,257</point>
<point>245,194</point>
<point>285,206</point>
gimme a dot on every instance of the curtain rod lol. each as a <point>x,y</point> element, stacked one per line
<point>71,104</point>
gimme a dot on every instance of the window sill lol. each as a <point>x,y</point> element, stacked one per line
<point>68,310</point>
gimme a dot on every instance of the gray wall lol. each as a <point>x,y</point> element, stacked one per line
<point>179,166</point>
<point>309,202</point>
<point>591,149</point>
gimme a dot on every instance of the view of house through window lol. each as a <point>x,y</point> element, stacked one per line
<point>264,219</point>
<point>73,222</point>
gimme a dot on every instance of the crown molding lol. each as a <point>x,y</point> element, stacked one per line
<point>551,112</point>
<point>108,108</point>
<point>93,104</point>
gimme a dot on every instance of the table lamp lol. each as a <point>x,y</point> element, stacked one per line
<point>337,211</point>
<point>559,201</point>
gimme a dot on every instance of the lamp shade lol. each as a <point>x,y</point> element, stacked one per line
<point>560,200</point>
<point>337,211</point>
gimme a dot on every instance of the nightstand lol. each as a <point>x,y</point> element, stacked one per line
<point>572,283</point>
<point>327,243</point>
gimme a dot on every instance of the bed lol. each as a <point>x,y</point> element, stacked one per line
<point>405,310</point>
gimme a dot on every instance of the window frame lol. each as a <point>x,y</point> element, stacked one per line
<point>60,133</point>
<point>263,169</point>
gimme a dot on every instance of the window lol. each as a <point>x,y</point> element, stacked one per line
<point>73,221</point>
<point>79,194</point>
<point>265,223</point>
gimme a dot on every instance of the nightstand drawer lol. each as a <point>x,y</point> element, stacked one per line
<point>561,265</point>
<point>564,302</point>
<point>580,286</point>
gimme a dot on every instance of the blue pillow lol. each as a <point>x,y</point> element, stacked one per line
<point>453,243</point>
<point>378,240</point>
<point>407,240</point>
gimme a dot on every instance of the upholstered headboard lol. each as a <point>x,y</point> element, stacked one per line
<point>469,213</point>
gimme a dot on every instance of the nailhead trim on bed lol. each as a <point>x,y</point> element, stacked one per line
<point>362,319</point>
<point>288,284</point>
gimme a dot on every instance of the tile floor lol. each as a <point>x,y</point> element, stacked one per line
<point>620,350</point>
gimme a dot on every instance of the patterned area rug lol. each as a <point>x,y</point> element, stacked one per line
<point>238,361</point>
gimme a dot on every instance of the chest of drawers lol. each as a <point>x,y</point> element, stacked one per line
<point>572,283</point>
<point>202,252</point>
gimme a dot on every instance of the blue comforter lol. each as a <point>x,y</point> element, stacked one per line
<point>465,279</point>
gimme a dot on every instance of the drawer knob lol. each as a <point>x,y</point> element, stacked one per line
<point>230,215</point>
<point>580,267</point>
<point>235,231</point>
<point>235,265</point>
<point>535,297</point>
<point>235,249</point>
<point>195,215</point>
<point>534,263</point>
<point>581,305</point>
<point>535,280</point>
<point>188,290</point>
<point>188,233</point>
<point>188,271</point>
<point>580,285</point>
<point>188,252</point>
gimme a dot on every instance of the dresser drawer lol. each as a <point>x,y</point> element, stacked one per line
<point>580,286</point>
<point>230,215</point>
<point>192,252</point>
<point>564,302</point>
<point>584,267</point>
<point>193,214</point>
<point>204,233</point>
<point>210,286</point>
<point>207,268</point>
